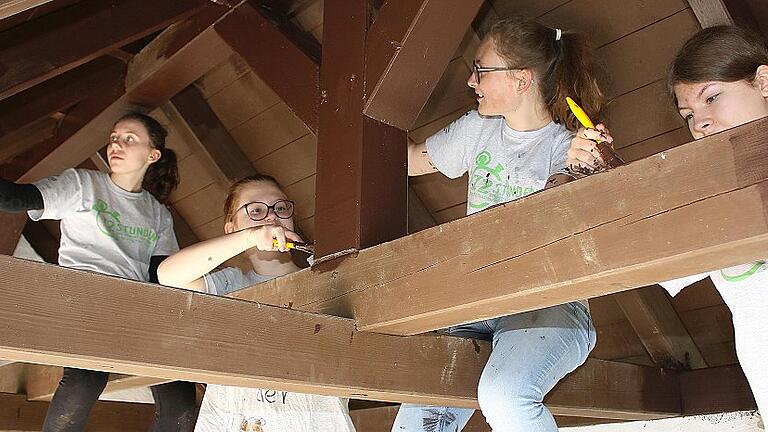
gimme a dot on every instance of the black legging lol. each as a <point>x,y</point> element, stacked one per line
<point>79,390</point>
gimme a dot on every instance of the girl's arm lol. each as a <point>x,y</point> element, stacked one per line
<point>419,162</point>
<point>15,198</point>
<point>186,268</point>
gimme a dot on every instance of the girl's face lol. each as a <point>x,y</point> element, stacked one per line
<point>713,106</point>
<point>258,191</point>
<point>129,149</point>
<point>498,93</point>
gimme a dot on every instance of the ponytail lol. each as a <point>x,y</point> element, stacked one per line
<point>162,176</point>
<point>563,63</point>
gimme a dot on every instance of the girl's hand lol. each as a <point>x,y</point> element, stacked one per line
<point>263,237</point>
<point>583,155</point>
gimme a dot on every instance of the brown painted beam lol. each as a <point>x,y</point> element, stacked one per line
<point>711,13</point>
<point>361,163</point>
<point>10,8</point>
<point>713,390</point>
<point>500,261</point>
<point>19,415</point>
<point>51,45</point>
<point>172,61</point>
<point>662,332</point>
<point>179,334</point>
<point>289,71</point>
<point>11,226</point>
<point>408,48</point>
<point>42,241</point>
<point>54,95</point>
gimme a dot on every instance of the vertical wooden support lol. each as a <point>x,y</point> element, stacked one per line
<point>711,12</point>
<point>361,163</point>
<point>11,225</point>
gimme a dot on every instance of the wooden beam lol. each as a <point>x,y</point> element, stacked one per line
<point>362,182</point>
<point>9,8</point>
<point>19,415</point>
<point>407,50</point>
<point>42,381</point>
<point>76,35</point>
<point>54,95</point>
<point>178,334</point>
<point>41,240</point>
<point>24,139</point>
<point>289,71</point>
<point>655,219</point>
<point>216,142</point>
<point>175,59</point>
<point>660,328</point>
<point>715,390</point>
<point>711,13</point>
<point>11,225</point>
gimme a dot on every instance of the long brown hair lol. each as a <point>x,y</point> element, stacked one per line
<point>161,177</point>
<point>720,53</point>
<point>563,67</point>
<point>234,192</point>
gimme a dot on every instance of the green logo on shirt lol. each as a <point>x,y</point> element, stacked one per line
<point>109,224</point>
<point>488,186</point>
<point>743,276</point>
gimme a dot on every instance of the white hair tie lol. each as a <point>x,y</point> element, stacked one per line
<point>558,34</point>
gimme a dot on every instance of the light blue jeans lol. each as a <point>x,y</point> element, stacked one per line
<point>532,351</point>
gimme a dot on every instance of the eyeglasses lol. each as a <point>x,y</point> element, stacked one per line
<point>257,211</point>
<point>477,70</point>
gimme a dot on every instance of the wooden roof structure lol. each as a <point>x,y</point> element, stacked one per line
<point>323,95</point>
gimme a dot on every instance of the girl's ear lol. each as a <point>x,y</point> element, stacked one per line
<point>229,228</point>
<point>761,80</point>
<point>524,80</point>
<point>154,155</point>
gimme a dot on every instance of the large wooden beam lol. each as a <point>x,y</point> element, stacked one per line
<point>711,13</point>
<point>407,50</point>
<point>19,415</point>
<point>11,226</point>
<point>289,71</point>
<point>655,219</point>
<point>9,8</point>
<point>361,163</point>
<point>63,40</point>
<point>88,320</point>
<point>175,59</point>
<point>662,332</point>
<point>713,390</point>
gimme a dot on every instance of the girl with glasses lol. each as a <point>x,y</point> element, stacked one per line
<point>258,223</point>
<point>511,146</point>
<point>719,80</point>
<point>116,224</point>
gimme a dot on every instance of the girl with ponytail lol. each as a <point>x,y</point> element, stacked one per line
<point>114,224</point>
<point>514,144</point>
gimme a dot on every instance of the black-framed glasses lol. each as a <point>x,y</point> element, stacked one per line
<point>257,210</point>
<point>477,70</point>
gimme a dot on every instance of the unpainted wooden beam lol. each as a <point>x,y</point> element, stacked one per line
<point>407,50</point>
<point>9,8</point>
<point>656,219</point>
<point>178,334</point>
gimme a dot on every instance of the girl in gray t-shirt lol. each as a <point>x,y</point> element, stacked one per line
<point>258,222</point>
<point>114,224</point>
<point>513,145</point>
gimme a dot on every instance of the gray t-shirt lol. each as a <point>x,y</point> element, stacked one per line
<point>230,279</point>
<point>104,228</point>
<point>503,164</point>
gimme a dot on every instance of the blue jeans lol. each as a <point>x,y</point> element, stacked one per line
<point>532,351</point>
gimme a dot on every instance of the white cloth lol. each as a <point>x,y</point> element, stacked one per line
<point>104,228</point>
<point>229,408</point>
<point>744,289</point>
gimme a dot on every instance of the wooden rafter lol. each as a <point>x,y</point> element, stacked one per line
<point>711,12</point>
<point>10,8</point>
<point>11,226</point>
<point>407,49</point>
<point>168,333</point>
<point>660,328</point>
<point>73,36</point>
<point>497,262</point>
<point>175,59</point>
<point>715,390</point>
